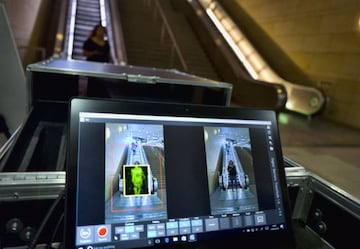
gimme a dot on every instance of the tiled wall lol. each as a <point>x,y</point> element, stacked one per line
<point>322,38</point>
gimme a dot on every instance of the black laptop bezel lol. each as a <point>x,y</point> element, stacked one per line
<point>276,239</point>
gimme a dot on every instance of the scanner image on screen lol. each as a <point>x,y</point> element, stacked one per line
<point>134,166</point>
<point>230,168</point>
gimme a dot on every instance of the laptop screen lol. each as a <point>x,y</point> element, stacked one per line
<point>143,175</point>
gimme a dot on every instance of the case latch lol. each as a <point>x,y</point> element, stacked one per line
<point>142,79</point>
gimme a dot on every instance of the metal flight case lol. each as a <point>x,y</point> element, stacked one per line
<point>324,216</point>
<point>32,162</point>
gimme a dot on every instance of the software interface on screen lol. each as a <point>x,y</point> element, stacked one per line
<point>147,180</point>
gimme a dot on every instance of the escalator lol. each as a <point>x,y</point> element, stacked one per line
<point>87,16</point>
<point>214,58</point>
<point>231,163</point>
<point>83,15</point>
<point>143,32</point>
<point>248,65</point>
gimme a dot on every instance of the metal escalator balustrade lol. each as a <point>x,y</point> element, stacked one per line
<point>301,99</point>
<point>157,35</point>
<point>148,36</point>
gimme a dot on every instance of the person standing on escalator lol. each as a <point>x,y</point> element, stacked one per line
<point>232,174</point>
<point>96,47</point>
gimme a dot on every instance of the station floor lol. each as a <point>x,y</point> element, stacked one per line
<point>329,150</point>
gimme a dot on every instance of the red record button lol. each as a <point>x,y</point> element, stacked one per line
<point>102,231</point>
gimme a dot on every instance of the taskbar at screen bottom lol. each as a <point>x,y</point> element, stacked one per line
<point>162,234</point>
<point>202,240</point>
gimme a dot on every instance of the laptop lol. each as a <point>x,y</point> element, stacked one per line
<point>149,175</point>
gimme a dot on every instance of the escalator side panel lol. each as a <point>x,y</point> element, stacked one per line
<point>246,92</point>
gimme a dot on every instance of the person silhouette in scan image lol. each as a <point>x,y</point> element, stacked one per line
<point>137,182</point>
<point>96,46</point>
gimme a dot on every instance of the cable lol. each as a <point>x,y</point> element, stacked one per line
<point>55,232</point>
<point>45,220</point>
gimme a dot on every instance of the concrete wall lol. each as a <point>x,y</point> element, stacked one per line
<point>22,16</point>
<point>322,38</point>
<point>34,24</point>
<point>29,40</point>
<point>13,99</point>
